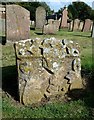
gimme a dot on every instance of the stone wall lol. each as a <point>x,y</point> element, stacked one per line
<point>46,68</point>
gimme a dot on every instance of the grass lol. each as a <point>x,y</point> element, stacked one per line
<point>79,108</point>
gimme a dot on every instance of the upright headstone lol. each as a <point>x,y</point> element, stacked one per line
<point>2,19</point>
<point>81,26</point>
<point>64,23</point>
<point>87,26</point>
<point>76,24</point>
<point>93,32</point>
<point>40,17</point>
<point>70,26</point>
<point>17,23</point>
<point>52,27</point>
<point>93,21</point>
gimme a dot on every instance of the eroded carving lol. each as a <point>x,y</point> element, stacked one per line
<point>47,67</point>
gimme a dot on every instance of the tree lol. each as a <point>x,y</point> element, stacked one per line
<point>31,6</point>
<point>79,10</point>
<point>72,13</point>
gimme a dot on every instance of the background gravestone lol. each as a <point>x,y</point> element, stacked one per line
<point>70,25</point>
<point>52,27</point>
<point>40,17</point>
<point>2,19</point>
<point>87,26</point>
<point>93,32</point>
<point>64,23</point>
<point>81,26</point>
<point>17,23</point>
<point>76,24</point>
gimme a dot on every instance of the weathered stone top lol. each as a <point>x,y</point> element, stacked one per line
<point>38,48</point>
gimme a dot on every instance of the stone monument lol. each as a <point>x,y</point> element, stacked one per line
<point>64,19</point>
<point>47,67</point>
<point>17,23</point>
<point>40,17</point>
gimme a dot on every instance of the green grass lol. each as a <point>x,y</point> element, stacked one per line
<point>73,109</point>
<point>79,108</point>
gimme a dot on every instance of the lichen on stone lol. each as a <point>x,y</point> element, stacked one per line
<point>47,67</point>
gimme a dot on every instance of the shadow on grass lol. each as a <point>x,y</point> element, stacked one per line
<point>87,94</point>
<point>82,35</point>
<point>3,40</point>
<point>38,33</point>
<point>32,28</point>
<point>10,82</point>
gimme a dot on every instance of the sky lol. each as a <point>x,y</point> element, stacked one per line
<point>57,4</point>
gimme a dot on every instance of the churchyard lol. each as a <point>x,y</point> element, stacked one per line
<point>47,67</point>
<point>80,106</point>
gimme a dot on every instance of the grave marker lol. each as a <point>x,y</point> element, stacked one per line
<point>47,67</point>
<point>40,17</point>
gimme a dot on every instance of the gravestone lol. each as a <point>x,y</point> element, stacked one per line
<point>76,24</point>
<point>2,19</point>
<point>64,23</point>
<point>81,26</point>
<point>40,17</point>
<point>87,26</point>
<point>47,67</point>
<point>70,26</point>
<point>17,23</point>
<point>93,32</point>
<point>52,27</point>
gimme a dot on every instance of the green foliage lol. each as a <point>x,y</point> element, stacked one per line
<point>72,10</point>
<point>31,6</point>
<point>73,109</point>
<point>79,10</point>
<point>92,15</point>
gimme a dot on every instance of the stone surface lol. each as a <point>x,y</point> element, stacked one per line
<point>52,27</point>
<point>70,26</point>
<point>47,68</point>
<point>81,26</point>
<point>93,32</point>
<point>64,23</point>
<point>76,24</point>
<point>2,20</point>
<point>40,17</point>
<point>17,23</point>
<point>87,26</point>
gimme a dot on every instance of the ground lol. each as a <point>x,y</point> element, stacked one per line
<point>81,104</point>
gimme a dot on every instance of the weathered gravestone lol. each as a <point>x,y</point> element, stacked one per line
<point>81,26</point>
<point>70,27</point>
<point>87,26</point>
<point>47,68</point>
<point>2,19</point>
<point>52,27</point>
<point>64,23</point>
<point>40,17</point>
<point>17,23</point>
<point>93,32</point>
<point>76,24</point>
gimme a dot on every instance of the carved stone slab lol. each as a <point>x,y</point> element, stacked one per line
<point>47,67</point>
